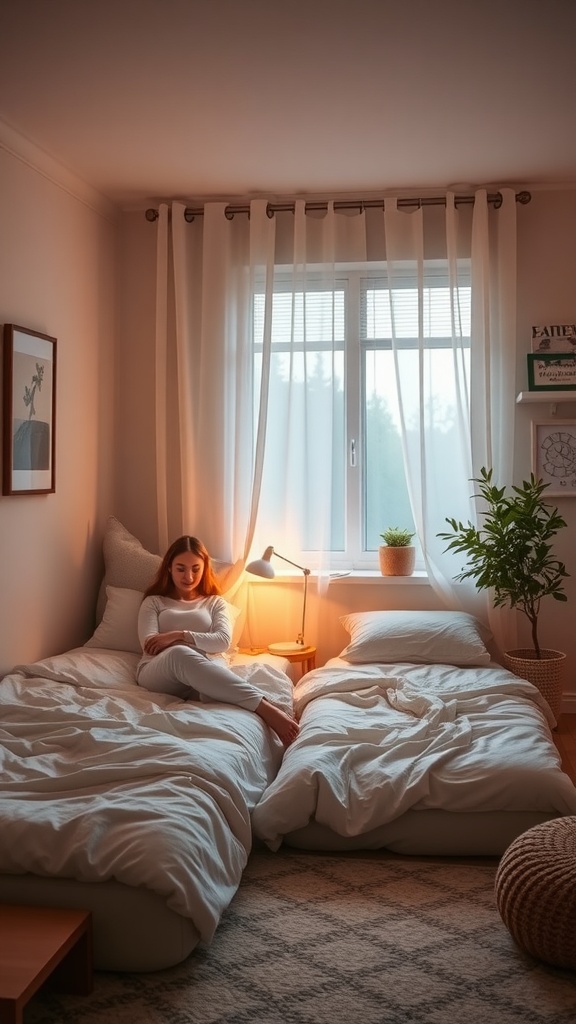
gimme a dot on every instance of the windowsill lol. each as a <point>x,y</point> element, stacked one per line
<point>352,578</point>
<point>375,576</point>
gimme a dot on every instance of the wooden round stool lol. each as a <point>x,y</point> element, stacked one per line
<point>536,891</point>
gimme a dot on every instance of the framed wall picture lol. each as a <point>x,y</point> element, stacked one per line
<point>552,371</point>
<point>29,411</point>
<point>554,338</point>
<point>554,456</point>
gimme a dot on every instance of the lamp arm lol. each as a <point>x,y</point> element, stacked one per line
<point>300,639</point>
<point>306,572</point>
<point>295,564</point>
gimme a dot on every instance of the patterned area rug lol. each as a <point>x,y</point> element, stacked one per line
<point>321,939</point>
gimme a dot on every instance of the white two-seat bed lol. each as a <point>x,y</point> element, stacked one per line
<point>414,740</point>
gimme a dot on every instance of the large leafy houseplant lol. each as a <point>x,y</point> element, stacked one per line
<point>511,553</point>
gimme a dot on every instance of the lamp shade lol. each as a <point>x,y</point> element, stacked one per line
<point>263,566</point>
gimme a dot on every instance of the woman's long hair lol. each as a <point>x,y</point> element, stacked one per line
<point>162,583</point>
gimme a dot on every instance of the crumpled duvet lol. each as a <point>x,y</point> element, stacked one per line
<point>103,780</point>
<point>378,740</point>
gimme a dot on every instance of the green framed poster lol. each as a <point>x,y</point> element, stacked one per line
<point>552,371</point>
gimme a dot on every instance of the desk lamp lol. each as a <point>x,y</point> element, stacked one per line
<point>263,567</point>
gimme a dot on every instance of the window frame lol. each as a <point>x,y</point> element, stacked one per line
<point>355,281</point>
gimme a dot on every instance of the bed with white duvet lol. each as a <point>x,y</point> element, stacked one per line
<point>134,805</point>
<point>416,741</point>
<point>130,804</point>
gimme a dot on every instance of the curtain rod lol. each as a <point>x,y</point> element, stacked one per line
<point>494,199</point>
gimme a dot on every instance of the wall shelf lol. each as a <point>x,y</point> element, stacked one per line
<point>552,398</point>
<point>546,396</point>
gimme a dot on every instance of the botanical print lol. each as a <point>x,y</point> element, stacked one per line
<point>29,395</point>
<point>31,436</point>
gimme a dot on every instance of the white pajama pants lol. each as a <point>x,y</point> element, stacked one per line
<point>188,673</point>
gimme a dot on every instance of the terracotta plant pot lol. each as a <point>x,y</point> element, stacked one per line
<point>396,561</point>
<point>546,672</point>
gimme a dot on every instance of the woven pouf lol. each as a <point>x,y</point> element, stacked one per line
<point>536,891</point>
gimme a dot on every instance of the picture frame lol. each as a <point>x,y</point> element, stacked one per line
<point>554,456</point>
<point>554,338</point>
<point>552,371</point>
<point>28,411</point>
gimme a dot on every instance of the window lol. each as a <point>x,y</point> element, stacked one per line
<point>351,359</point>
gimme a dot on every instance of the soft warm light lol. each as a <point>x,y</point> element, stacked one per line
<point>263,567</point>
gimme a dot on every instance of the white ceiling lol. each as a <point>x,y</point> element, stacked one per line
<point>150,99</point>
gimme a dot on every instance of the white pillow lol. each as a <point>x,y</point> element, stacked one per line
<point>422,637</point>
<point>118,630</point>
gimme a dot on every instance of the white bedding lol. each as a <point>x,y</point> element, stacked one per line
<point>379,740</point>
<point>103,780</point>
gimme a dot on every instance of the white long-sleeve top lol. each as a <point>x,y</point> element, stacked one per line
<point>205,620</point>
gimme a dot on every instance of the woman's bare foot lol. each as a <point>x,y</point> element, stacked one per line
<point>284,725</point>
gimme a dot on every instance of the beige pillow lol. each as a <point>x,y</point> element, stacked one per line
<point>127,564</point>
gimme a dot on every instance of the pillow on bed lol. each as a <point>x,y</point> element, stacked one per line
<point>118,630</point>
<point>447,638</point>
<point>127,564</point>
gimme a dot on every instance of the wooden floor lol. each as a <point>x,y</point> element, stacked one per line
<point>565,739</point>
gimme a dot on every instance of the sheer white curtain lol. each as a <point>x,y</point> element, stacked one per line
<point>219,279</point>
<point>209,447</point>
<point>493,400</point>
<point>251,369</point>
<point>305,450</point>
<point>475,382</point>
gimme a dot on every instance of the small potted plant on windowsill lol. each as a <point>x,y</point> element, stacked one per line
<point>396,555</point>
<point>511,555</point>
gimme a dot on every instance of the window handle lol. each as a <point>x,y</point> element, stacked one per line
<point>352,452</point>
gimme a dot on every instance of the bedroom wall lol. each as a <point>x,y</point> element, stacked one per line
<point>546,290</point>
<point>57,276</point>
<point>547,294</point>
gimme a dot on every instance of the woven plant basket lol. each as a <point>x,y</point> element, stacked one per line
<point>535,890</point>
<point>397,561</point>
<point>546,673</point>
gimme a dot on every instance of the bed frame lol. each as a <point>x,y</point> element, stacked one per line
<point>427,833</point>
<point>133,929</point>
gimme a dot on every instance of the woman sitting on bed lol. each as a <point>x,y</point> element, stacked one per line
<point>181,623</point>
